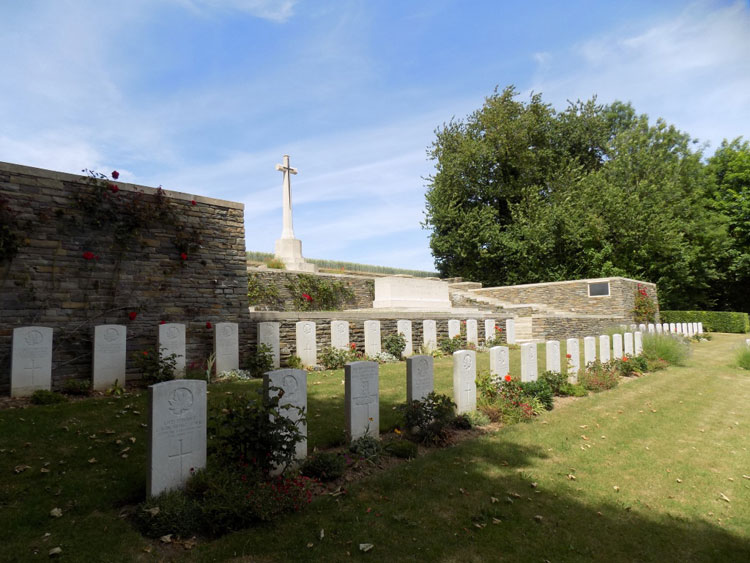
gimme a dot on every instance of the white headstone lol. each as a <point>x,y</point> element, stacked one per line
<point>673,328</point>
<point>683,329</point>
<point>499,362</point>
<point>573,355</point>
<point>340,335</point>
<point>404,327</point>
<point>510,331</point>
<point>31,360</point>
<point>665,328</point>
<point>172,341</point>
<point>293,384</point>
<point>700,328</point>
<point>307,348</point>
<point>489,330</point>
<point>747,341</point>
<point>419,377</point>
<point>658,328</point>
<point>617,346</point>
<point>177,433</point>
<point>362,401</point>
<point>589,350</point>
<point>372,338</point>
<point>642,327</point>
<point>605,353</point>
<point>472,332</point>
<point>268,334</point>
<point>226,346</point>
<point>529,368</point>
<point>429,335</point>
<point>454,328</point>
<point>651,328</point>
<point>109,356</point>
<point>552,350</point>
<point>628,340</point>
<point>638,342</point>
<point>633,327</point>
<point>465,380</point>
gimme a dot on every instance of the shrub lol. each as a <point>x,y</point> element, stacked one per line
<point>599,376</point>
<point>276,264</point>
<point>478,418</point>
<point>154,367</point>
<point>625,366</point>
<point>334,358</point>
<point>403,449</point>
<point>394,344</point>
<point>76,387</point>
<point>554,380</point>
<point>656,364</point>
<point>450,345</point>
<point>742,357</point>
<point>255,430</point>
<point>645,308</point>
<point>508,404</point>
<point>462,422</point>
<point>316,293</point>
<point>260,362</point>
<point>172,512</point>
<point>45,397</point>
<point>429,420</point>
<point>367,447</point>
<point>541,391</point>
<point>324,466</point>
<point>570,390</point>
<point>666,347</point>
<point>714,321</point>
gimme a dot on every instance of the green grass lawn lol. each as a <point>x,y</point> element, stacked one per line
<point>633,474</point>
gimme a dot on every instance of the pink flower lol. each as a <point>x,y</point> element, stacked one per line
<point>115,174</point>
<point>132,315</point>
<point>88,255</point>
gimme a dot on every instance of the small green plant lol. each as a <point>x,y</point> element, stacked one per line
<point>541,391</point>
<point>554,380</point>
<point>367,447</point>
<point>263,294</point>
<point>318,293</point>
<point>462,422</point>
<point>428,421</point>
<point>294,362</point>
<point>76,387</point>
<point>478,418</point>
<point>395,344</point>
<point>571,390</point>
<point>45,397</point>
<point>403,449</point>
<point>742,357</point>
<point>334,358</point>
<point>599,376</point>
<point>260,362</point>
<point>324,466</point>
<point>116,390</point>
<point>155,367</point>
<point>672,350</point>
<point>451,345</point>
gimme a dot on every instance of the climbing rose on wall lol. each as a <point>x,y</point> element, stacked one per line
<point>115,174</point>
<point>183,256</point>
<point>193,202</point>
<point>88,255</point>
<point>132,315</point>
<point>208,324</point>
<point>307,297</point>
<point>114,188</point>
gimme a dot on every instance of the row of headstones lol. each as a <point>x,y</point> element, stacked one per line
<point>31,357</point>
<point>684,329</point>
<point>306,336</point>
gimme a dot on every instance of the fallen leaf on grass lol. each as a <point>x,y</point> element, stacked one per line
<point>189,544</point>
<point>166,539</point>
<point>571,477</point>
<point>310,544</point>
<point>678,480</point>
<point>496,521</point>
<point>616,488</point>
<point>55,513</point>
<point>722,496</point>
<point>322,534</point>
<point>746,476</point>
<point>493,500</point>
<point>153,511</point>
<point>21,468</point>
<point>365,547</point>
<point>92,460</point>
<point>538,518</point>
<point>55,551</point>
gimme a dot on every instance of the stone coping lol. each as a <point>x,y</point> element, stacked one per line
<point>42,173</point>
<point>362,275</point>
<point>540,284</point>
<point>370,314</point>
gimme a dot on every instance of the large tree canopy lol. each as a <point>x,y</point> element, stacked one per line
<point>523,194</point>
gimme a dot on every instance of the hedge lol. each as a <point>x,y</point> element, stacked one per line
<point>714,321</point>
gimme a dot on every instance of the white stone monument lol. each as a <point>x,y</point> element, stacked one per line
<point>419,377</point>
<point>226,346</point>
<point>658,328</point>
<point>589,350</point>
<point>638,342</point>
<point>415,294</point>
<point>429,335</point>
<point>31,360</point>
<point>617,346</point>
<point>673,328</point>
<point>177,433</point>
<point>268,334</point>
<point>372,338</point>
<point>628,341</point>
<point>651,328</point>
<point>307,349</point>
<point>642,327</point>
<point>574,359</point>
<point>499,362</point>
<point>404,327</point>
<point>289,249</point>
<point>472,332</point>
<point>605,353</point>
<point>552,349</point>
<point>510,331</point>
<point>340,335</point>
<point>292,384</point>
<point>529,368</point>
<point>665,328</point>
<point>172,341</point>
<point>454,328</point>
<point>109,356</point>
<point>489,330</point>
<point>361,399</point>
<point>465,381</point>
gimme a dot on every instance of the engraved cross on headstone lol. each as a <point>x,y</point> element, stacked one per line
<point>468,388</point>
<point>287,231</point>
<point>181,455</point>
<point>35,370</point>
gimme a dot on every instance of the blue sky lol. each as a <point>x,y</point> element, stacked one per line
<point>205,96</point>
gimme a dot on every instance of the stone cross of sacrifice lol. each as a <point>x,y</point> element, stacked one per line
<point>287,231</point>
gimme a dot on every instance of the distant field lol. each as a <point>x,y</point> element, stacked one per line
<point>254,256</point>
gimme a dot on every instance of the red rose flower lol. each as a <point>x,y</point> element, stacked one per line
<point>114,188</point>
<point>145,352</point>
<point>508,377</point>
<point>183,256</point>
<point>352,345</point>
<point>115,174</point>
<point>307,297</point>
<point>208,324</point>
<point>624,358</point>
<point>132,315</point>
<point>88,255</point>
<point>568,356</point>
<point>162,322</point>
<point>193,202</point>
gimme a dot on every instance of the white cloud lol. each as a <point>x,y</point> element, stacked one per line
<point>278,11</point>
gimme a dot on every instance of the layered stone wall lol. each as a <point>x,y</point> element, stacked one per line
<point>558,327</point>
<point>71,275</point>
<point>573,296</point>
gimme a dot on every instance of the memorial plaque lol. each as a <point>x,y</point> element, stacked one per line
<point>109,357</point>
<point>419,377</point>
<point>465,381</point>
<point>429,334</point>
<point>552,348</point>
<point>177,433</point>
<point>361,400</point>
<point>529,367</point>
<point>404,327</point>
<point>454,328</point>
<point>268,334</point>
<point>31,360</point>
<point>292,384</point>
<point>573,355</point>
<point>306,345</point>
<point>372,338</point>
<point>226,347</point>
<point>472,332</point>
<point>172,341</point>
<point>340,335</point>
<point>589,350</point>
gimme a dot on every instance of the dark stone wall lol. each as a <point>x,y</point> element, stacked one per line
<point>50,282</point>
